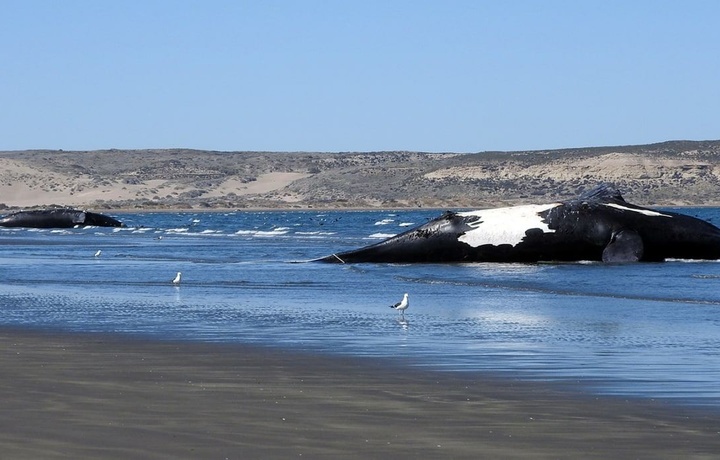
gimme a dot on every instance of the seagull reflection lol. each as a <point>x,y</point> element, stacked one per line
<point>404,324</point>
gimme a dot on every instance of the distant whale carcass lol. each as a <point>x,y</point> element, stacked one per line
<point>596,226</point>
<point>57,218</point>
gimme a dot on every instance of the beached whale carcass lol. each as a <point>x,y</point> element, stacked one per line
<point>599,225</point>
<point>57,218</point>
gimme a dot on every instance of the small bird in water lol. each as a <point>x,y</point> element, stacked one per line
<point>97,254</point>
<point>402,305</point>
<point>177,278</point>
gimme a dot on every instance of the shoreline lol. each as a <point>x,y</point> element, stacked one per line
<point>90,395</point>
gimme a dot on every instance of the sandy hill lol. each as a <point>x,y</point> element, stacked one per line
<point>668,173</point>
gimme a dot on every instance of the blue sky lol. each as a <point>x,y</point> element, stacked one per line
<point>438,76</point>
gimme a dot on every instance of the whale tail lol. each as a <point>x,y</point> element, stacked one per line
<point>603,192</point>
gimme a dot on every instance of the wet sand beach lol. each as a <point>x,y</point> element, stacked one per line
<point>105,396</point>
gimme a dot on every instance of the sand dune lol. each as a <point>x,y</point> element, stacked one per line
<point>22,186</point>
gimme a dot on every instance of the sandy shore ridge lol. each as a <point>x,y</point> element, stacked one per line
<point>668,173</point>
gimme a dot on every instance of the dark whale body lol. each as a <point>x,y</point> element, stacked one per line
<point>57,218</point>
<point>596,226</point>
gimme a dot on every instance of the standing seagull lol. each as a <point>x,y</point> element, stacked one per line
<point>402,305</point>
<point>176,281</point>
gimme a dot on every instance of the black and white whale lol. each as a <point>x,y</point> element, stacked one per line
<point>599,225</point>
<point>57,218</point>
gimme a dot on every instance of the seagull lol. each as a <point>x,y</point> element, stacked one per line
<point>97,254</point>
<point>177,278</point>
<point>402,305</point>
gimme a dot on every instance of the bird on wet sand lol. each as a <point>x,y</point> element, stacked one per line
<point>177,278</point>
<point>402,305</point>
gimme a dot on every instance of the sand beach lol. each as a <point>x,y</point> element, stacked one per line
<point>105,396</point>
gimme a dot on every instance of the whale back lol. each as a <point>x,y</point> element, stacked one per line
<point>57,218</point>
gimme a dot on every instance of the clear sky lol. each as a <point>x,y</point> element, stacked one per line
<point>365,75</point>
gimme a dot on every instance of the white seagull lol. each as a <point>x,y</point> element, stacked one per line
<point>177,278</point>
<point>402,305</point>
<point>97,254</point>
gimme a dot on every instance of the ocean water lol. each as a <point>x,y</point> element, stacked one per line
<point>635,330</point>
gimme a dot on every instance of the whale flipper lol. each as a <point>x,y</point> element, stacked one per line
<point>624,246</point>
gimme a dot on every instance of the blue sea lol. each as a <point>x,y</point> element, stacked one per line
<point>636,330</point>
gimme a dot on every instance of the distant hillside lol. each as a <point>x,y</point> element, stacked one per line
<point>668,173</point>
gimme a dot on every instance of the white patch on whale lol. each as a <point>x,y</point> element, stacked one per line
<point>647,212</point>
<point>504,225</point>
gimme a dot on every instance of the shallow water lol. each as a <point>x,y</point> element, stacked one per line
<point>647,330</point>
